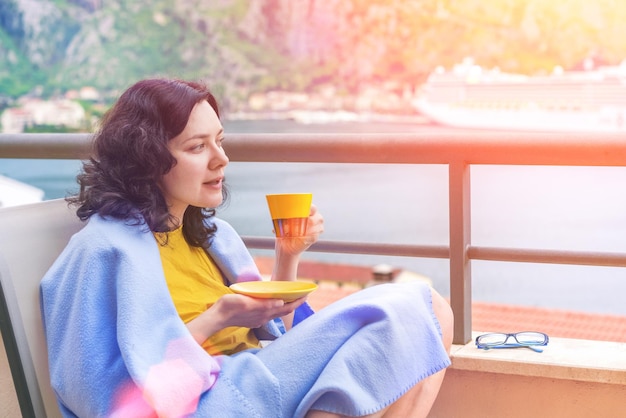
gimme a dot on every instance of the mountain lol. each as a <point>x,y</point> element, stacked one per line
<point>62,45</point>
<point>239,46</point>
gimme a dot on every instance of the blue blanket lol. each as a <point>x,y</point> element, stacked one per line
<point>116,345</point>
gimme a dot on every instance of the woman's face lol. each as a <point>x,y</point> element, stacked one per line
<point>197,177</point>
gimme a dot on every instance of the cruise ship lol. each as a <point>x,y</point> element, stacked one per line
<point>468,96</point>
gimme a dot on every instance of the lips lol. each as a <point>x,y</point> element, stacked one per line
<point>215,182</point>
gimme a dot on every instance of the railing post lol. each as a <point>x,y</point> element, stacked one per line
<point>460,239</point>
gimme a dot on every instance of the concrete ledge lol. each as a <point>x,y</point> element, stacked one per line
<point>562,358</point>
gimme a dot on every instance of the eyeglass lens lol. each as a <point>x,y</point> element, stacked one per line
<point>526,338</point>
<point>530,338</point>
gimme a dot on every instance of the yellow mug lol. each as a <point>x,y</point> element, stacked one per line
<point>290,213</point>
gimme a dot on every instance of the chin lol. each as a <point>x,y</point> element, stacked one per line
<point>210,203</point>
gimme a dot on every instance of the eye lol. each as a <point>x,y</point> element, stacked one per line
<point>197,147</point>
<point>219,141</point>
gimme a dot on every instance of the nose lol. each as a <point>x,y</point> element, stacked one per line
<point>220,159</point>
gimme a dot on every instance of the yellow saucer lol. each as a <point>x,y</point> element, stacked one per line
<point>287,291</point>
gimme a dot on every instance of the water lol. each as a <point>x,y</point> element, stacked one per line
<point>570,208</point>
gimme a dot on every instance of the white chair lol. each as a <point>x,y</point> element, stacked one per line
<point>31,238</point>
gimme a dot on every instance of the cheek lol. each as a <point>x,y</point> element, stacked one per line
<point>171,182</point>
<point>165,186</point>
<point>178,170</point>
<point>185,172</point>
<point>183,177</point>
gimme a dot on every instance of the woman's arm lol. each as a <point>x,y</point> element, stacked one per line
<point>245,311</point>
<point>289,249</point>
<point>239,311</point>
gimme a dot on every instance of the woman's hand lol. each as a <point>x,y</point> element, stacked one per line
<point>288,249</point>
<point>294,246</point>
<point>249,312</point>
<point>235,310</point>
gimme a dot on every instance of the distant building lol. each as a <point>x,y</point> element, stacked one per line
<point>14,120</point>
<point>89,93</point>
<point>42,112</point>
<point>84,93</point>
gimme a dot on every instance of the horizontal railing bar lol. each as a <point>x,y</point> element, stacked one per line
<point>45,146</point>
<point>521,255</point>
<point>595,258</point>
<point>459,149</point>
<point>347,247</point>
<point>471,147</point>
<point>433,148</point>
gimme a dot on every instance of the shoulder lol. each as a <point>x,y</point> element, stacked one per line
<point>102,233</point>
<point>225,232</point>
<point>222,224</point>
<point>103,244</point>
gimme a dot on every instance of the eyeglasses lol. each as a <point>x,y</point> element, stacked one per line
<point>527,339</point>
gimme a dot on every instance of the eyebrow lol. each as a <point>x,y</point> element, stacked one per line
<point>219,134</point>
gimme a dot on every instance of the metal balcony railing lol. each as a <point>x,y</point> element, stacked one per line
<point>456,150</point>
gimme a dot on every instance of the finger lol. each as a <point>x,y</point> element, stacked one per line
<point>263,304</point>
<point>296,303</point>
<point>291,306</point>
<point>274,303</point>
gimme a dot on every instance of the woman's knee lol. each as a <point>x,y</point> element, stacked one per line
<point>445,316</point>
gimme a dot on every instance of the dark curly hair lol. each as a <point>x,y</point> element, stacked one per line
<point>130,156</point>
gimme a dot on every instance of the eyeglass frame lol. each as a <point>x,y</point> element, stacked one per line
<point>517,344</point>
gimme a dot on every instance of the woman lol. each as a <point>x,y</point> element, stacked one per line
<point>140,322</point>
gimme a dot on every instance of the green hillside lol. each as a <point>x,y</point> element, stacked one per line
<point>241,46</point>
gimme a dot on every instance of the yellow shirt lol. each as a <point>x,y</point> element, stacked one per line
<point>195,284</point>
